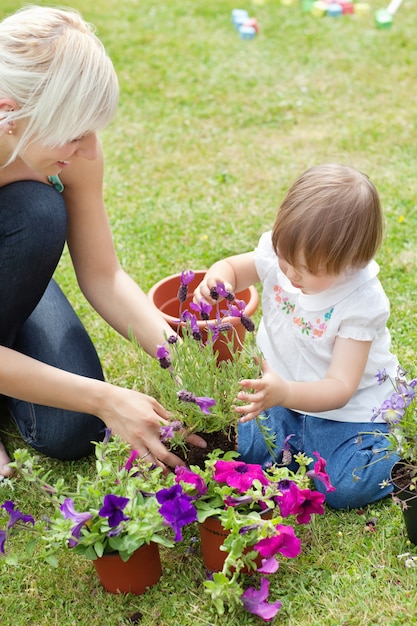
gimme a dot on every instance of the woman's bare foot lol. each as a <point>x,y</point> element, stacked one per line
<point>5,470</point>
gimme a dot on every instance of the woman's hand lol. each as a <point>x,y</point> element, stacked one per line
<point>137,419</point>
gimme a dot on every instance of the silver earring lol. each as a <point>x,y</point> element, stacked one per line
<point>10,131</point>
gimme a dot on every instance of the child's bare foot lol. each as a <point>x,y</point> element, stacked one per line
<point>5,470</point>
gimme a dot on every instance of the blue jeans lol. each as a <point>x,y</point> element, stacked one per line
<point>37,320</point>
<point>355,453</point>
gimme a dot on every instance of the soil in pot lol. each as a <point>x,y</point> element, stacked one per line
<point>215,441</point>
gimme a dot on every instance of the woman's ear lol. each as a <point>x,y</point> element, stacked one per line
<point>6,105</point>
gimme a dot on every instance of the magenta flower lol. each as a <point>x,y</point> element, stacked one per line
<point>291,498</point>
<point>255,601</point>
<point>15,515</point>
<point>185,475</point>
<point>129,463</point>
<point>285,542</point>
<point>269,566</point>
<point>177,509</point>
<point>112,508</point>
<point>319,472</point>
<point>68,511</point>
<point>239,475</point>
<point>313,504</point>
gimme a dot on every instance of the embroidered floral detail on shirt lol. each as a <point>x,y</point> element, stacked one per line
<point>316,329</point>
<point>284,301</point>
<point>312,329</point>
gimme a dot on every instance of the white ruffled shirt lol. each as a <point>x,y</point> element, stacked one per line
<point>297,331</point>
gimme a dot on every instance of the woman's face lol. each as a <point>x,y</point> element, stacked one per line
<point>51,161</point>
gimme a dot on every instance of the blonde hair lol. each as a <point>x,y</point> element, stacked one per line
<point>57,71</point>
<point>330,220</point>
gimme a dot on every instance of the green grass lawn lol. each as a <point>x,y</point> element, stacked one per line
<point>210,132</point>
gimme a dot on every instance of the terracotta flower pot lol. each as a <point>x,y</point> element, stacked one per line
<point>164,295</point>
<point>212,536</point>
<point>141,571</point>
<point>398,476</point>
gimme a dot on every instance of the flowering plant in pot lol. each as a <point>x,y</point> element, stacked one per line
<point>399,411</point>
<point>255,511</point>
<point>191,381</point>
<point>124,505</point>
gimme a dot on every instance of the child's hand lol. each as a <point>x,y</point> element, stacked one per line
<point>268,391</point>
<point>203,289</point>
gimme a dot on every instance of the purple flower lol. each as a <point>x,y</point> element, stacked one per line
<point>255,601</point>
<point>248,323</point>
<point>107,435</point>
<point>112,508</point>
<point>235,310</point>
<point>15,515</point>
<point>319,472</point>
<point>162,354</point>
<point>239,475</point>
<point>185,475</point>
<point>203,402</point>
<point>381,376</point>
<point>68,511</point>
<point>203,308</point>
<point>285,542</point>
<point>187,276</point>
<point>185,279</point>
<point>393,408</point>
<point>224,293</point>
<point>167,432</point>
<point>177,509</point>
<point>3,536</point>
<point>191,319</point>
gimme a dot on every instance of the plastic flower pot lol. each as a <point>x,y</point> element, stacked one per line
<point>141,571</point>
<point>212,536</point>
<point>164,295</point>
<point>398,479</point>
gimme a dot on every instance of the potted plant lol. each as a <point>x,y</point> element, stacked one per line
<point>399,411</point>
<point>246,516</point>
<point>114,517</point>
<point>191,381</point>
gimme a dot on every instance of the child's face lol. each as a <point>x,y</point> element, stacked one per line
<point>304,280</point>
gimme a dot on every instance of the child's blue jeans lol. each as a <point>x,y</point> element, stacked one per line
<point>357,463</point>
<point>36,318</point>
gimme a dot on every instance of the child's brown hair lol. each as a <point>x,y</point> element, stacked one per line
<point>330,220</point>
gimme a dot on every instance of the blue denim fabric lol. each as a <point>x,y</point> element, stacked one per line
<point>356,461</point>
<point>36,318</point>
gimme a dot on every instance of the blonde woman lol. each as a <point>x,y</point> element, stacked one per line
<point>58,89</point>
